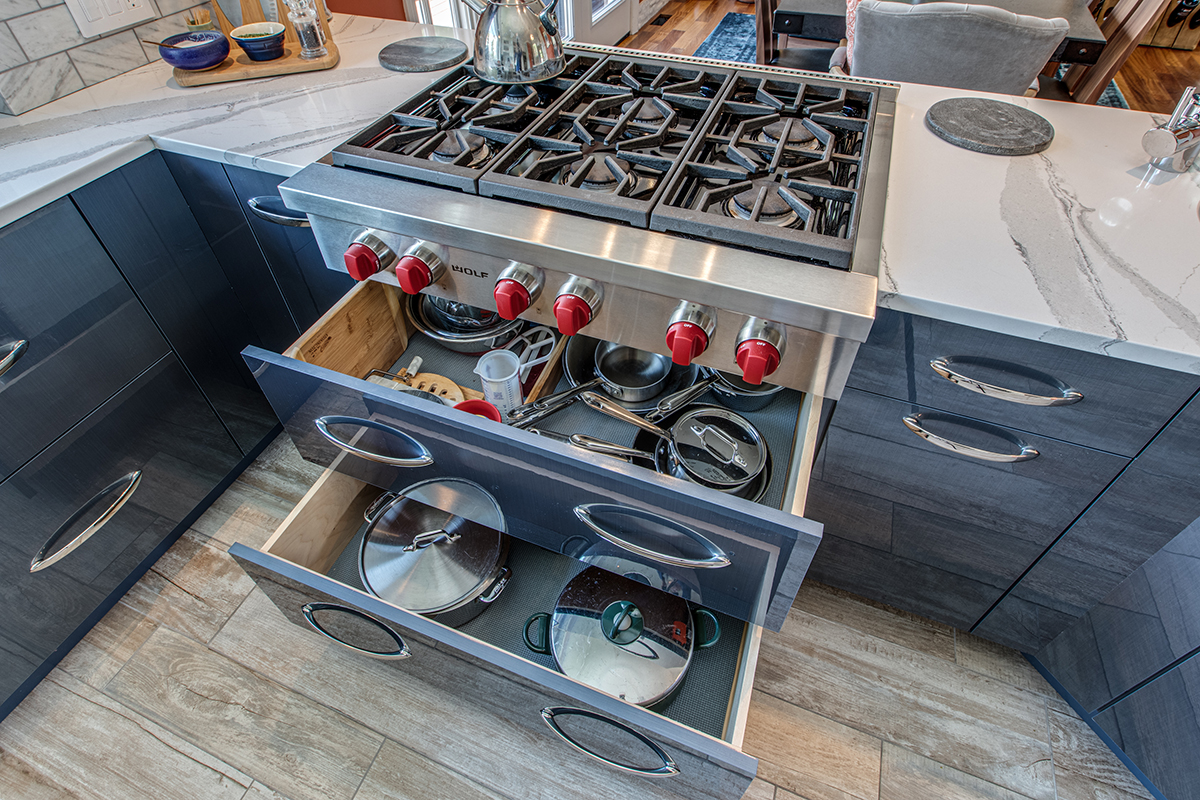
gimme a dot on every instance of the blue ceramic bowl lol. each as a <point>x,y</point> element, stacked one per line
<point>261,41</point>
<point>210,50</point>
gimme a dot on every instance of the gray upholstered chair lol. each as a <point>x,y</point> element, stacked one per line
<point>951,44</point>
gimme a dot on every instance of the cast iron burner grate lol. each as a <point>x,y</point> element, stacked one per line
<point>450,133</point>
<point>778,169</point>
<point>608,148</point>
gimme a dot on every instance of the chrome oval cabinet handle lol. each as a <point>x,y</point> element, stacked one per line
<point>717,557</point>
<point>309,611</point>
<point>272,209</point>
<point>12,354</point>
<point>942,367</point>
<point>126,484</point>
<point>1027,453</point>
<point>423,458</point>
<point>668,768</point>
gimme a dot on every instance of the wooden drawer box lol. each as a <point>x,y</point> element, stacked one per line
<point>390,439</point>
<point>486,664</point>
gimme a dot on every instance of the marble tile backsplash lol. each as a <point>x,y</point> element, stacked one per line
<point>43,56</point>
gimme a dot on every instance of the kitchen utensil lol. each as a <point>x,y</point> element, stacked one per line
<point>423,54</point>
<point>260,41</point>
<point>621,636</point>
<point>481,408</point>
<point>208,49</point>
<point>514,43</point>
<point>199,19</point>
<point>672,403</point>
<point>437,548</point>
<point>302,14</point>
<point>499,372</point>
<point>474,342</point>
<point>736,394</point>
<point>458,317</point>
<point>164,44</point>
<point>534,347</point>
<point>713,446</point>
<point>579,365</point>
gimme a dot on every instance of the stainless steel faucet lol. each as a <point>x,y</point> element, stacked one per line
<point>1174,146</point>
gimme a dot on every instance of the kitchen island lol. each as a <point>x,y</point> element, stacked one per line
<point>280,125</point>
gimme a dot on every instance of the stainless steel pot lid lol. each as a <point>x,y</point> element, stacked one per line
<point>719,447</point>
<point>425,559</point>
<point>621,636</point>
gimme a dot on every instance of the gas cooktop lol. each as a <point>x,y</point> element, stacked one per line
<point>765,160</point>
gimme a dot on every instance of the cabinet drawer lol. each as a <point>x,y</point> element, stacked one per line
<point>296,568</point>
<point>936,532</point>
<point>86,335</point>
<point>1123,404</point>
<point>159,429</point>
<point>738,557</point>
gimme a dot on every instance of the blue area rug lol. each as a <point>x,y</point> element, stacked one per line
<point>733,40</point>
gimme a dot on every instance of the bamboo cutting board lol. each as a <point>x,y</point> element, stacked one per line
<point>238,67</point>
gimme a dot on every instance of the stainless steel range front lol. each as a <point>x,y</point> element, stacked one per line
<point>727,216</point>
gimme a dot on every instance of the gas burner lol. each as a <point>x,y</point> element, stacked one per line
<point>517,92</point>
<point>455,143</point>
<point>647,110</point>
<point>798,136</point>
<point>600,177</point>
<point>775,210</point>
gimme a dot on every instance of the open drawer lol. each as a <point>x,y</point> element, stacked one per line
<point>590,743</point>
<point>742,558</point>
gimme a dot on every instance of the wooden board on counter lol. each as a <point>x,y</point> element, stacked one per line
<point>239,67</point>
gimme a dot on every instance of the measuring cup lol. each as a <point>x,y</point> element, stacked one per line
<point>499,372</point>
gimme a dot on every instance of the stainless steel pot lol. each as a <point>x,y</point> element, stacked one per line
<point>516,44</point>
<point>472,342</point>
<point>735,393</point>
<point>620,636</point>
<point>446,565</point>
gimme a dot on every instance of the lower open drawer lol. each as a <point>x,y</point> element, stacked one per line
<point>689,747</point>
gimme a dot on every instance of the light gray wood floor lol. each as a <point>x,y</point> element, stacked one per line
<point>853,699</point>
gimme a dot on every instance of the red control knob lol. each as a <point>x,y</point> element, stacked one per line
<point>413,274</point>
<point>361,261</point>
<point>757,359</point>
<point>512,299</point>
<point>686,340</point>
<point>572,313</point>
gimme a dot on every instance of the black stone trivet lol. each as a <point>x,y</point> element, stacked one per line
<point>423,54</point>
<point>989,126</point>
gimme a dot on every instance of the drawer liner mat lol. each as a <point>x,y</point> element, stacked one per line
<point>777,422</point>
<point>700,703</point>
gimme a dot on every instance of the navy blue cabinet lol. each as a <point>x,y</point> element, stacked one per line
<point>71,332</point>
<point>147,227</point>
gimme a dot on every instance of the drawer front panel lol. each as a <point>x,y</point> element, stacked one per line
<point>937,532</point>
<point>1124,404</point>
<point>515,690</point>
<point>540,484</point>
<point>87,335</point>
<point>160,426</point>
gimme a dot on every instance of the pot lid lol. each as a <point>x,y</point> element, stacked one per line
<point>426,559</point>
<point>718,447</point>
<point>621,636</point>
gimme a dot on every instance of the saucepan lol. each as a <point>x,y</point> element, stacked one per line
<point>729,390</point>
<point>707,445</point>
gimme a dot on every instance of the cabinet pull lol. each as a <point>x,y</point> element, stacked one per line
<point>126,485</point>
<point>1067,396</point>
<point>401,651</point>
<point>12,354</point>
<point>272,209</point>
<point>716,558</point>
<point>667,769</point>
<point>1027,453</point>
<point>423,459</point>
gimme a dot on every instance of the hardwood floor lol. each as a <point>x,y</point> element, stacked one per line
<point>1154,77</point>
<point>196,686</point>
<point>690,23</point>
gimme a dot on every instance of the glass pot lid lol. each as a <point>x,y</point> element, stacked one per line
<point>621,636</point>
<point>426,559</point>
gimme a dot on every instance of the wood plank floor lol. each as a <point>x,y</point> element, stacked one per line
<point>194,686</point>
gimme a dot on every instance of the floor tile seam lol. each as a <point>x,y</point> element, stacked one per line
<point>233,613</point>
<point>879,638</point>
<point>447,767</point>
<point>1002,789</point>
<point>1087,773</point>
<point>1050,738</point>
<point>367,771</point>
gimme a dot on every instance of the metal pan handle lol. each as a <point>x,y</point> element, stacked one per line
<point>606,406</point>
<point>672,403</point>
<point>667,769</point>
<point>126,484</point>
<point>423,458</point>
<point>309,610</point>
<point>716,559</point>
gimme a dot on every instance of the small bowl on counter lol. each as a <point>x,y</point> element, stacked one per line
<point>260,41</point>
<point>195,51</point>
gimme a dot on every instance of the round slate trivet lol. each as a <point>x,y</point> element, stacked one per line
<point>423,54</point>
<point>989,126</point>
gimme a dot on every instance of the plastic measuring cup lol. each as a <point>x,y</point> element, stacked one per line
<point>499,371</point>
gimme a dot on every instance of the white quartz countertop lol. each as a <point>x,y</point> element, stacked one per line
<point>1082,245</point>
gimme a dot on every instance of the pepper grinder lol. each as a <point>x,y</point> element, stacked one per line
<point>303,16</point>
